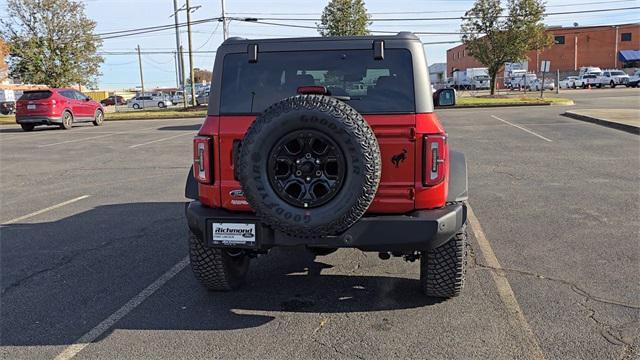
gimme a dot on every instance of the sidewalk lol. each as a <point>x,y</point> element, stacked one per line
<point>624,119</point>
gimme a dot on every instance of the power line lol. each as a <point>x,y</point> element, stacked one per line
<point>433,11</point>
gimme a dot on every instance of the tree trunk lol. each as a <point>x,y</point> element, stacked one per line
<point>493,75</point>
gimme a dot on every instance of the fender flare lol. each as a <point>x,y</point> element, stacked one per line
<point>458,180</point>
<point>191,187</point>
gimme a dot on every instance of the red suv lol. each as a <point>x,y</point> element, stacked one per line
<point>326,143</point>
<point>61,107</point>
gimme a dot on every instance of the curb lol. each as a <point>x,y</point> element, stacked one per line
<point>604,122</point>
<point>569,103</point>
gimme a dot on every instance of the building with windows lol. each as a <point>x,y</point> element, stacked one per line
<point>610,46</point>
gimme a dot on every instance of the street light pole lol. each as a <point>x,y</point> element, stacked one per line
<point>193,88</point>
<point>225,24</point>
<point>180,60</point>
<point>141,77</point>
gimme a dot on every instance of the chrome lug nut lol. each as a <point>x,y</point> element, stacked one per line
<point>308,155</point>
<point>318,173</point>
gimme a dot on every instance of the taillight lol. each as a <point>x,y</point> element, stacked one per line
<point>434,152</point>
<point>202,152</point>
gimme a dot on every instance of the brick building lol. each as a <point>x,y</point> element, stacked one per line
<point>573,47</point>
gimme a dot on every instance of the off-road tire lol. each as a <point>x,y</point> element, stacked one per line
<point>215,268</point>
<point>67,120</point>
<point>442,270</point>
<point>27,127</point>
<point>98,118</point>
<point>351,133</point>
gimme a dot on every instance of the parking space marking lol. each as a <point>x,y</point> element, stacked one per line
<point>523,129</point>
<point>77,140</point>
<point>158,140</point>
<point>86,339</point>
<point>505,291</point>
<point>35,213</point>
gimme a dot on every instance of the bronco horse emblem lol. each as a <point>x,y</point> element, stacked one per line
<point>398,158</point>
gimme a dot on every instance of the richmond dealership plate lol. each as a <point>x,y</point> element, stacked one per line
<point>233,233</point>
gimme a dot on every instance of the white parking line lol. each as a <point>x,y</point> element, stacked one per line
<point>77,140</point>
<point>158,140</point>
<point>504,288</point>
<point>523,129</point>
<point>24,217</point>
<point>73,349</point>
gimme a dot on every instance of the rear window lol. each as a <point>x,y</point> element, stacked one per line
<point>369,85</point>
<point>35,95</point>
<point>617,73</point>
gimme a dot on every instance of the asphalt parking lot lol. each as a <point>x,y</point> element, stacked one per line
<point>93,244</point>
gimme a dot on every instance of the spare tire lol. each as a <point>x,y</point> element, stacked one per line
<point>309,166</point>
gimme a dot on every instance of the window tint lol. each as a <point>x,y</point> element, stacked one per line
<point>79,95</point>
<point>68,94</point>
<point>370,86</point>
<point>35,95</point>
<point>617,73</point>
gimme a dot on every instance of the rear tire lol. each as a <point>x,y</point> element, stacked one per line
<point>217,269</point>
<point>161,105</point>
<point>98,119</point>
<point>27,127</point>
<point>442,270</point>
<point>67,121</point>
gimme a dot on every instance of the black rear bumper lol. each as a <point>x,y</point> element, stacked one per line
<point>38,120</point>
<point>415,231</point>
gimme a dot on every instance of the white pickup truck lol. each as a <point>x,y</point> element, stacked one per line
<point>612,78</point>
<point>583,81</point>
<point>634,79</point>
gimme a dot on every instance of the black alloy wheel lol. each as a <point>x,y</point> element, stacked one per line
<point>306,168</point>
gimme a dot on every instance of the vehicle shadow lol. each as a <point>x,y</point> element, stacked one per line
<point>62,278</point>
<point>18,129</point>
<point>193,127</point>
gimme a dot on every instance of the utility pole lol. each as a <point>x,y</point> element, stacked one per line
<point>193,87</point>
<point>184,81</point>
<point>225,23</point>
<point>180,60</point>
<point>175,60</point>
<point>141,77</point>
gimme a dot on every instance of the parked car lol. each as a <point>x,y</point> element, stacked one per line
<point>7,107</point>
<point>568,82</point>
<point>612,78</point>
<point>113,100</point>
<point>140,102</point>
<point>536,84</point>
<point>58,106</point>
<point>586,80</point>
<point>295,162</point>
<point>634,79</point>
<point>202,98</point>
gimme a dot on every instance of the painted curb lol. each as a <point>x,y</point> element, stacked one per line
<point>604,122</point>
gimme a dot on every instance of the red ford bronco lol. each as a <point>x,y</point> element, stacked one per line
<point>326,143</point>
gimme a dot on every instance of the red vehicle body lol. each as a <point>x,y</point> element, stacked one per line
<point>401,189</point>
<point>58,106</point>
<point>326,143</point>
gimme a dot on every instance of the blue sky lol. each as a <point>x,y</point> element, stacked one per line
<point>120,71</point>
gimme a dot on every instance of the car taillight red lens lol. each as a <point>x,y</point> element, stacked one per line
<point>434,152</point>
<point>202,152</point>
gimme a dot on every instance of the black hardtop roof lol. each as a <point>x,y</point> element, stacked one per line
<point>405,35</point>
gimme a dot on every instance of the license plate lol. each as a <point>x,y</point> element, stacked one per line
<point>233,234</point>
<point>31,107</point>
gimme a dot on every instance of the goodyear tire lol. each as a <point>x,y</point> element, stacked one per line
<point>309,166</point>
<point>217,269</point>
<point>442,270</point>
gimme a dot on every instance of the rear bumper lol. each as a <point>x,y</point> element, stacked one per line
<point>38,120</point>
<point>415,231</point>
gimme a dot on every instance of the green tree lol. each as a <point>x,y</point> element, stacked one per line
<point>344,18</point>
<point>494,39</point>
<point>51,42</point>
